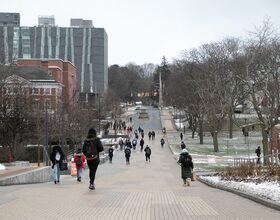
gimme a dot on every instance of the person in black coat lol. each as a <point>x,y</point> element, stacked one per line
<point>127,153</point>
<point>258,152</point>
<point>56,157</point>
<point>181,136</point>
<point>183,146</point>
<point>142,144</point>
<point>110,151</point>
<point>91,149</point>
<point>148,153</point>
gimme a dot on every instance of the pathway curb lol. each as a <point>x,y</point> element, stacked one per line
<point>254,198</point>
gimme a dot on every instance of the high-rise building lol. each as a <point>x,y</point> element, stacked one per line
<point>9,19</point>
<point>85,47</point>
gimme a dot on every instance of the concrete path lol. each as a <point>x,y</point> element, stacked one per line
<point>144,191</point>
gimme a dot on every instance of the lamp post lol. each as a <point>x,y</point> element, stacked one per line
<point>47,138</point>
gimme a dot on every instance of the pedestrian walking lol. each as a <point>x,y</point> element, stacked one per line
<point>134,143</point>
<point>162,142</point>
<point>153,135</point>
<point>186,166</point>
<point>258,152</point>
<point>79,160</point>
<point>121,143</point>
<point>127,153</point>
<point>150,135</point>
<point>183,146</point>
<point>91,148</point>
<point>142,133</point>
<point>142,144</point>
<point>56,157</point>
<point>181,136</point>
<point>148,153</point>
<point>164,131</point>
<point>111,154</point>
<point>128,143</point>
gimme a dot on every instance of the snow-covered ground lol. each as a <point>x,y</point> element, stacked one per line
<point>2,167</point>
<point>268,189</point>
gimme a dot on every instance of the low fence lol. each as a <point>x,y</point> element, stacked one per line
<point>271,159</point>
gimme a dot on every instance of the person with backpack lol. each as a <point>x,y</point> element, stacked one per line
<point>110,151</point>
<point>56,157</point>
<point>148,153</point>
<point>142,144</point>
<point>183,146</point>
<point>79,159</point>
<point>186,166</point>
<point>91,149</point>
<point>162,142</point>
<point>134,143</point>
<point>150,135</point>
<point>127,153</point>
<point>128,143</point>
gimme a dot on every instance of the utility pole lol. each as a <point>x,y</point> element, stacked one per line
<point>47,138</point>
<point>160,90</point>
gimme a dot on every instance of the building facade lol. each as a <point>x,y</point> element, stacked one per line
<point>9,19</point>
<point>85,48</point>
<point>61,71</point>
<point>41,89</point>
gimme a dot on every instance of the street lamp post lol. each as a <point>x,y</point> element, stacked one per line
<point>47,138</point>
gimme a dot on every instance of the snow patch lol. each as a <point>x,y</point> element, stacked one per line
<point>268,189</point>
<point>2,167</point>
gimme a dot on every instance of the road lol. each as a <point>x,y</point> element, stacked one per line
<point>144,191</point>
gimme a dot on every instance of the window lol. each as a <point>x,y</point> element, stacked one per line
<point>50,72</point>
<point>48,104</point>
<point>47,91</point>
<point>35,91</point>
<point>36,105</point>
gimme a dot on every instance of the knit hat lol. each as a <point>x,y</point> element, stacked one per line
<point>184,150</point>
<point>92,131</point>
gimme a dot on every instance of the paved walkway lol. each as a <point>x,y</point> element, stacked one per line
<point>144,191</point>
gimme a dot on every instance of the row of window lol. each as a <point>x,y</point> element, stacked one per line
<point>46,92</point>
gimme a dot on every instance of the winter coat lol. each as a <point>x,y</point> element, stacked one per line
<point>53,154</point>
<point>111,152</point>
<point>142,143</point>
<point>185,171</point>
<point>148,151</point>
<point>83,159</point>
<point>95,141</point>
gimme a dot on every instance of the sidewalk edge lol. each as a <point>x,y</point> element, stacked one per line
<point>258,199</point>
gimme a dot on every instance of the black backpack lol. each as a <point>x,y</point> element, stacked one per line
<point>92,149</point>
<point>187,161</point>
<point>148,151</point>
<point>79,161</point>
<point>127,151</point>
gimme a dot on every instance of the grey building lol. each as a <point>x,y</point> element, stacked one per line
<point>9,19</point>
<point>86,48</point>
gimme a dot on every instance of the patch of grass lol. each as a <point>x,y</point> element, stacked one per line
<point>236,147</point>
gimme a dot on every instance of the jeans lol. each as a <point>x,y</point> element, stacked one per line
<point>56,172</point>
<point>92,165</point>
<point>79,172</point>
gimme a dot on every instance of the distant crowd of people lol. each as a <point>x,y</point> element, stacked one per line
<point>92,147</point>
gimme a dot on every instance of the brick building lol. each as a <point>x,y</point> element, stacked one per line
<point>37,84</point>
<point>61,71</point>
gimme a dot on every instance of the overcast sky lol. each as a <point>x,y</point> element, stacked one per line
<point>142,31</point>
